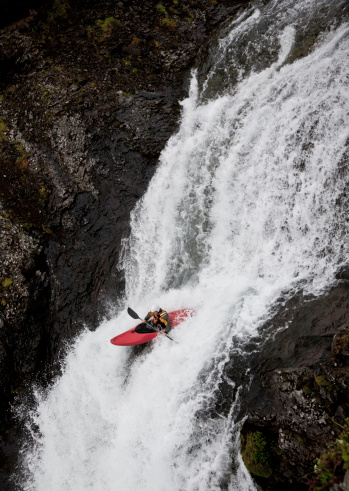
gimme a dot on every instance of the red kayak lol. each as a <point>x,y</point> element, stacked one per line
<point>131,337</point>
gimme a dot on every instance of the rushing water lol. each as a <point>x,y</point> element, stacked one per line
<point>249,200</point>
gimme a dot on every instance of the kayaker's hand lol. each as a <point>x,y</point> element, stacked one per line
<point>164,333</point>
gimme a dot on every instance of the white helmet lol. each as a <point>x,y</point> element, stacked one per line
<point>155,308</point>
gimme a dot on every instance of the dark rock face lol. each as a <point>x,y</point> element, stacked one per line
<point>299,395</point>
<point>14,11</point>
<point>88,98</point>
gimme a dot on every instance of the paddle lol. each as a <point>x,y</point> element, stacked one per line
<point>133,314</point>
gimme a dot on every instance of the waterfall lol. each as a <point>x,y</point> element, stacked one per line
<point>249,201</point>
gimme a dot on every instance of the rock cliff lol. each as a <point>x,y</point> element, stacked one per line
<point>298,400</point>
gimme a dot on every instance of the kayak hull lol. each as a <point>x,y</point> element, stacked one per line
<point>132,338</point>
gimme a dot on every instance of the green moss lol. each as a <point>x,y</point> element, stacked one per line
<point>108,24</point>
<point>167,20</point>
<point>190,17</point>
<point>330,468</point>
<point>27,226</point>
<point>43,192</point>
<point>104,28</point>
<point>255,455</point>
<point>307,390</point>
<point>7,282</point>
<point>22,160</point>
<point>323,382</point>
<point>46,229</point>
<point>3,129</point>
<point>162,9</point>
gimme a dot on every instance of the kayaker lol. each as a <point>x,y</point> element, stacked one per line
<point>160,319</point>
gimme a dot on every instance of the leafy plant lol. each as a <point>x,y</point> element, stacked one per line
<point>331,467</point>
<point>255,454</point>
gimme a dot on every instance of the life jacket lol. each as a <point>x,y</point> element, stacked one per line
<point>159,319</point>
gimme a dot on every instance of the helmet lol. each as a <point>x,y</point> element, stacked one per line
<point>155,308</point>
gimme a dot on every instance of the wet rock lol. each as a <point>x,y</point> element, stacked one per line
<point>298,397</point>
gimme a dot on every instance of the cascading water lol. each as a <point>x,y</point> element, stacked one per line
<point>249,200</point>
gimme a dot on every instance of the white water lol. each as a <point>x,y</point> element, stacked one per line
<point>252,205</point>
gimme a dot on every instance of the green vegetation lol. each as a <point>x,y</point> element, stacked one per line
<point>43,192</point>
<point>3,137</point>
<point>43,195</point>
<point>3,127</point>
<point>255,454</point>
<point>162,9</point>
<point>7,282</point>
<point>323,382</point>
<point>166,21</point>
<point>331,467</point>
<point>108,24</point>
<point>46,229</point>
<point>307,390</point>
<point>22,160</point>
<point>104,28</point>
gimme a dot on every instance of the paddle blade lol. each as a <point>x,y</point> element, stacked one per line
<point>133,314</point>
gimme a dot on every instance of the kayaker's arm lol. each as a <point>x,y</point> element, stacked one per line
<point>160,319</point>
<point>148,316</point>
<point>165,322</point>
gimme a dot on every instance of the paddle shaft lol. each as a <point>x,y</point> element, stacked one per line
<point>134,315</point>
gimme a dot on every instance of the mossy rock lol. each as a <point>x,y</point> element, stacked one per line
<point>255,455</point>
<point>7,282</point>
<point>341,346</point>
<point>332,466</point>
<point>307,390</point>
<point>323,382</point>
